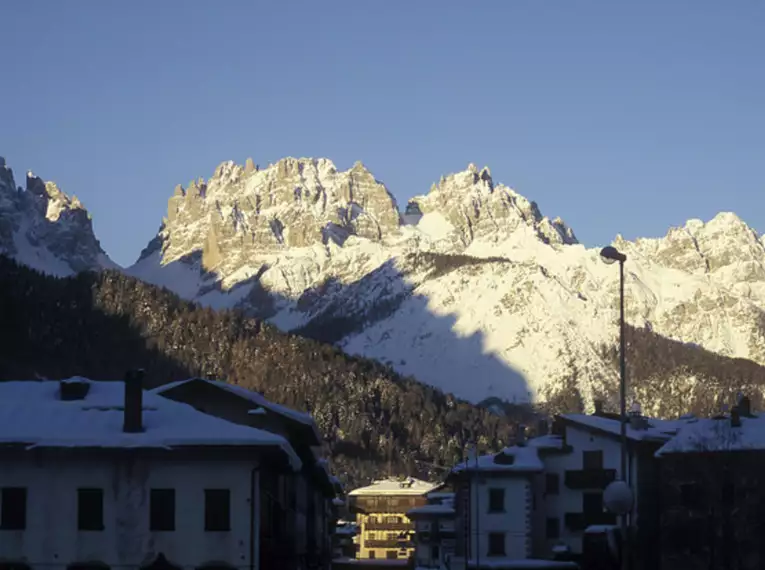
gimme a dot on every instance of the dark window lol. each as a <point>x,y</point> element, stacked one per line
<point>372,554</point>
<point>90,509</point>
<point>162,509</point>
<point>496,544</point>
<point>690,495</point>
<point>391,554</point>
<point>552,528</point>
<point>434,552</point>
<point>496,500</point>
<point>13,502</point>
<point>217,509</point>
<point>592,503</point>
<point>551,483</point>
<point>592,459</point>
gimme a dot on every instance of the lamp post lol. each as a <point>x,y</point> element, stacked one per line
<point>620,495</point>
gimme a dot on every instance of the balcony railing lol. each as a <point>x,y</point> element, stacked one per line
<point>589,478</point>
<point>579,521</point>
<point>388,544</point>
<point>369,525</point>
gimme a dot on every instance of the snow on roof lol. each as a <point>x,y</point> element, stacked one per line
<point>546,442</point>
<point>32,413</point>
<point>657,430</point>
<point>410,486</point>
<point>704,435</point>
<point>251,396</point>
<point>518,459</point>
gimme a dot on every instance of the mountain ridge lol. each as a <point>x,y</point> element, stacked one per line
<point>328,254</point>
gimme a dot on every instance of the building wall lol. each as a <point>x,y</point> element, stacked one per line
<point>515,523</point>
<point>572,500</point>
<point>712,510</point>
<point>367,534</point>
<point>52,538</point>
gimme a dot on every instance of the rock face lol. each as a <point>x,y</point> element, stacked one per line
<point>45,229</point>
<point>471,289</point>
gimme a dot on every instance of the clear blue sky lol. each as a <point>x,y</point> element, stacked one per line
<point>621,117</point>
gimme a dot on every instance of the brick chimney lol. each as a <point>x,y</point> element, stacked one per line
<point>133,414</point>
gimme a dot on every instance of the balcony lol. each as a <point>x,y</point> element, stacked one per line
<point>388,544</point>
<point>577,522</point>
<point>589,478</point>
<point>370,525</point>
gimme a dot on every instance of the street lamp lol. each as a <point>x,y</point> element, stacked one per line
<point>620,496</point>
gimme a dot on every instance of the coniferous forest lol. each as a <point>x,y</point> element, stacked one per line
<point>374,420</point>
<point>100,325</point>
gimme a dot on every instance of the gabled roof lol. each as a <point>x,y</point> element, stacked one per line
<point>410,486</point>
<point>253,397</point>
<point>513,459</point>
<point>656,430</point>
<point>716,435</point>
<point>32,414</point>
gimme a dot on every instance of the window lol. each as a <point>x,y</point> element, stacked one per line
<point>13,502</point>
<point>391,555</point>
<point>551,484</point>
<point>217,509</point>
<point>592,503</point>
<point>372,555</point>
<point>434,552</point>
<point>552,528</point>
<point>162,509</point>
<point>592,459</point>
<point>496,500</point>
<point>90,509</point>
<point>496,544</point>
<point>690,495</point>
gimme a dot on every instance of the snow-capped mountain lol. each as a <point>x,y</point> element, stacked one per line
<point>471,289</point>
<point>45,229</point>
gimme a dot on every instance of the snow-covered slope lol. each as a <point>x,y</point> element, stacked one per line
<point>472,289</point>
<point>45,229</point>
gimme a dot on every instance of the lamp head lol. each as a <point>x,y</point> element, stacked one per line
<point>610,254</point>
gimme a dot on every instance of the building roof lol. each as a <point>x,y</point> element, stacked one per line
<point>710,434</point>
<point>656,430</point>
<point>513,459</point>
<point>253,397</point>
<point>545,442</point>
<point>410,486</point>
<point>32,413</point>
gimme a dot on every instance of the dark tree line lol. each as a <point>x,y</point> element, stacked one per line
<point>99,325</point>
<point>677,378</point>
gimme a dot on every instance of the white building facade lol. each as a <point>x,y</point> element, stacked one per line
<point>104,474</point>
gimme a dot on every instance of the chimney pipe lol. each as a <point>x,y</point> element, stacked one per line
<point>133,420</point>
<point>598,408</point>
<point>735,417</point>
<point>744,406</point>
<point>521,435</point>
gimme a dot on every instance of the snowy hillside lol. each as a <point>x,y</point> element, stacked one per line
<point>471,289</point>
<point>45,229</point>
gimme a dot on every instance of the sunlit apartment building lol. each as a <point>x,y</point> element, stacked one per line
<point>384,530</point>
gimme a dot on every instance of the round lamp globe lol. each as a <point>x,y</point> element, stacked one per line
<point>618,498</point>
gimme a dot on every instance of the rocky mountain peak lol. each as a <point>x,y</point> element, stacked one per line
<point>245,211</point>
<point>46,229</point>
<point>481,209</point>
<point>723,244</point>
